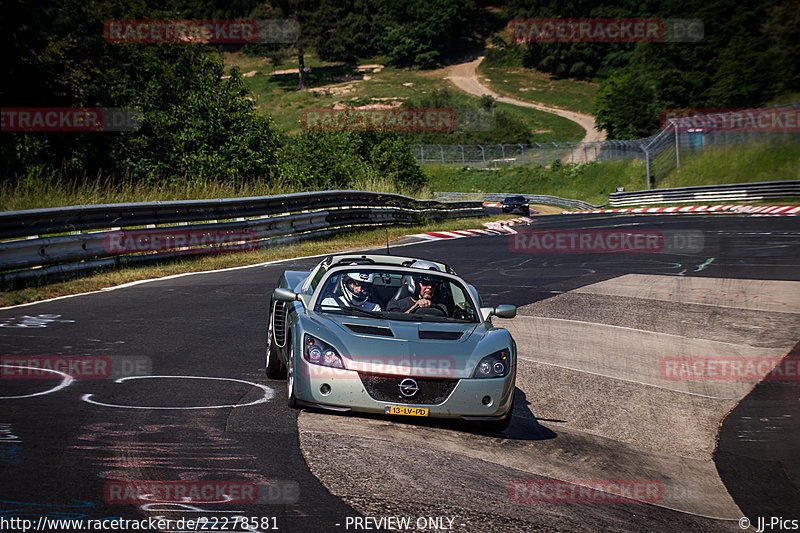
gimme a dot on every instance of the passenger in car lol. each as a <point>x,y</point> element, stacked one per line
<point>354,290</point>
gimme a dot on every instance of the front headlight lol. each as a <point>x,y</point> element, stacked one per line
<point>496,365</point>
<point>320,353</point>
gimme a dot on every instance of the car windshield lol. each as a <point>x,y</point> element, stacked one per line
<point>514,200</point>
<point>396,295</point>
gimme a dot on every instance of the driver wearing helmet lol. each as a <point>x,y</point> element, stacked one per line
<point>355,288</point>
<point>423,289</point>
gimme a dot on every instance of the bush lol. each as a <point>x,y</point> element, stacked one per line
<point>339,160</point>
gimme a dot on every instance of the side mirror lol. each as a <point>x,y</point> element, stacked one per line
<point>285,295</point>
<point>501,311</point>
<point>505,311</point>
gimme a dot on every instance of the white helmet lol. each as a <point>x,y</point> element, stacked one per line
<point>421,264</point>
<point>427,265</point>
<point>363,278</point>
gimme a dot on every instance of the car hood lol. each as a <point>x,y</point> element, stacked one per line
<point>405,348</point>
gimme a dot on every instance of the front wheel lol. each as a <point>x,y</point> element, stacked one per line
<point>274,366</point>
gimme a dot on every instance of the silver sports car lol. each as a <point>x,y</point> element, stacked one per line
<point>393,335</point>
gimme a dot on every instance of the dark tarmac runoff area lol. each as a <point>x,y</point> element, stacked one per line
<point>665,371</point>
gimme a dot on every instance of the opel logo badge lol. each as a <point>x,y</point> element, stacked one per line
<point>409,388</point>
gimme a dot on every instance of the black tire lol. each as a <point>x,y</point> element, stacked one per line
<point>291,400</point>
<point>273,364</point>
<point>498,426</point>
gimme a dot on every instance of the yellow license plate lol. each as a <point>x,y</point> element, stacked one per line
<point>408,411</point>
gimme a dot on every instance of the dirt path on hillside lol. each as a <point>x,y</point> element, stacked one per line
<point>464,77</point>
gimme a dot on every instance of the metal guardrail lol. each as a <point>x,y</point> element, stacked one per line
<point>711,193</point>
<point>530,198</point>
<point>83,233</point>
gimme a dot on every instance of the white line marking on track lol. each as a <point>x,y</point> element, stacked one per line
<point>268,394</point>
<point>65,382</point>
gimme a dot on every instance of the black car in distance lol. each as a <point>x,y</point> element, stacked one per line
<point>516,204</point>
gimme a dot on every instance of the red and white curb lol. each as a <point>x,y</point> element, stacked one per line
<point>786,210</point>
<point>498,227</point>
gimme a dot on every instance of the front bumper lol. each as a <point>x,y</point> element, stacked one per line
<point>346,390</point>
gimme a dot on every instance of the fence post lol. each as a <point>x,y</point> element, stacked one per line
<point>647,164</point>
<point>540,154</point>
<point>421,155</point>
<point>502,154</point>
<point>483,156</point>
<point>674,124</point>
<point>441,150</point>
<point>463,163</point>
<point>571,152</point>
<point>554,144</point>
<point>522,151</point>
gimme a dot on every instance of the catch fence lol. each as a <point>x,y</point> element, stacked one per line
<point>661,152</point>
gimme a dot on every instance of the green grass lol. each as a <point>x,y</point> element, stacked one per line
<point>335,84</point>
<point>546,127</point>
<point>588,182</point>
<point>740,164</point>
<point>43,192</point>
<point>533,86</point>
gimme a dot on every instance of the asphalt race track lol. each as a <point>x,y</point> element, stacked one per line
<point>594,399</point>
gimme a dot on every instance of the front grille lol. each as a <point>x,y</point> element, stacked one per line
<point>387,389</point>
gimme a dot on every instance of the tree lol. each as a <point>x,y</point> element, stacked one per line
<point>420,32</point>
<point>198,124</point>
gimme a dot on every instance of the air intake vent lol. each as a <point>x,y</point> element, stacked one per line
<point>370,330</point>
<point>440,335</point>
<point>279,323</point>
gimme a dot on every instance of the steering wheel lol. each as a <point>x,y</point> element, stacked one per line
<point>433,311</point>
